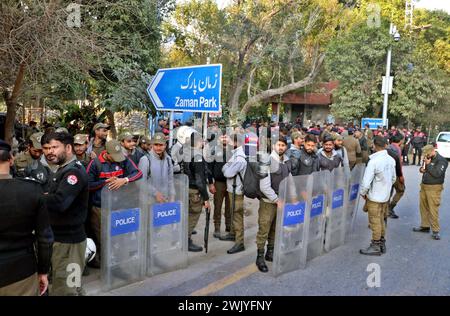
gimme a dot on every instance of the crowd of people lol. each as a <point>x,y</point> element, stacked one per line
<point>62,176</point>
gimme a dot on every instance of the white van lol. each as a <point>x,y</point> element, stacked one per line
<point>443,144</point>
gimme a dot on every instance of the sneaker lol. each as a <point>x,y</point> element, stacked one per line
<point>421,229</point>
<point>217,234</point>
<point>436,236</point>
<point>194,232</point>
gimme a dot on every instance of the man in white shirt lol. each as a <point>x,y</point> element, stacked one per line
<point>376,190</point>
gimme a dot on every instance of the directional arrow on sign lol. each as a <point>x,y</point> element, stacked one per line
<point>187,89</point>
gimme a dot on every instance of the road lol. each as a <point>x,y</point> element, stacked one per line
<point>413,265</point>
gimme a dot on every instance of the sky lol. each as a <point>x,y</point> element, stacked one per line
<point>427,4</point>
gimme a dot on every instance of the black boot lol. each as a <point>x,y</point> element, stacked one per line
<point>373,249</point>
<point>269,254</point>
<point>260,263</point>
<point>421,229</point>
<point>391,212</point>
<point>228,237</point>
<point>193,247</point>
<point>236,248</point>
<point>383,245</point>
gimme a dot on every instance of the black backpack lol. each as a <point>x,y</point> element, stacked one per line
<point>253,173</point>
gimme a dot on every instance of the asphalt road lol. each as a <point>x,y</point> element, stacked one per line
<point>413,265</point>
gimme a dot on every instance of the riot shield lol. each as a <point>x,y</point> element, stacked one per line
<point>292,224</point>
<point>353,197</point>
<point>167,234</point>
<point>337,206</point>
<point>316,211</point>
<point>123,235</point>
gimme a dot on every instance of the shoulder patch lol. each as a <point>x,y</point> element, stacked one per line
<point>72,179</point>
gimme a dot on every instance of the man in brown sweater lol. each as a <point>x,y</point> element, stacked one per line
<point>353,147</point>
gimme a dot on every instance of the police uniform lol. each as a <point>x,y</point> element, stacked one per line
<point>81,139</point>
<point>23,253</point>
<point>430,192</point>
<point>24,159</point>
<point>67,204</point>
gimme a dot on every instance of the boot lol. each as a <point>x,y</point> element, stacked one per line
<point>373,249</point>
<point>228,237</point>
<point>269,253</point>
<point>383,245</point>
<point>436,236</point>
<point>193,247</point>
<point>421,229</point>
<point>260,263</point>
<point>391,212</point>
<point>236,248</point>
<point>217,232</point>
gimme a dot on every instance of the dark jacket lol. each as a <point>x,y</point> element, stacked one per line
<point>67,203</point>
<point>305,164</point>
<point>327,163</point>
<point>418,140</point>
<point>398,162</point>
<point>435,171</point>
<point>99,170</point>
<point>199,176</point>
<point>22,212</point>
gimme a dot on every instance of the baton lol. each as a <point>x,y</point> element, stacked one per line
<point>206,234</point>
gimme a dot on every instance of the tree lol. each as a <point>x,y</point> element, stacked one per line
<point>267,48</point>
<point>358,61</point>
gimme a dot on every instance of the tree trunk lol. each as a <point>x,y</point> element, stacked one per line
<point>111,123</point>
<point>265,95</point>
<point>11,104</point>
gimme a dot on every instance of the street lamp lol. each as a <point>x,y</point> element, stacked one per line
<point>387,80</point>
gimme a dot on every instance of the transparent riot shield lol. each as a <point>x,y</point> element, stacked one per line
<point>123,236</point>
<point>168,220</point>
<point>316,211</point>
<point>336,210</point>
<point>292,225</point>
<point>353,197</point>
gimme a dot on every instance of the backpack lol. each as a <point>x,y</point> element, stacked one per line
<point>253,173</point>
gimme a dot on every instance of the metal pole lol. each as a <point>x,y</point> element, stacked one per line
<point>171,130</point>
<point>205,116</point>
<point>386,91</point>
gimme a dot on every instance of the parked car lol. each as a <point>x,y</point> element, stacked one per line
<point>443,144</point>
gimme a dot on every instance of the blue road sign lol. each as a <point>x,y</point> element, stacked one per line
<point>187,89</point>
<point>373,122</point>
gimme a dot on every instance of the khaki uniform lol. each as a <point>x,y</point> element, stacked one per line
<point>238,217</point>
<point>353,147</point>
<point>96,224</point>
<point>430,200</point>
<point>267,223</point>
<point>25,287</point>
<point>219,196</point>
<point>67,257</point>
<point>399,191</point>
<point>195,209</point>
<point>377,212</point>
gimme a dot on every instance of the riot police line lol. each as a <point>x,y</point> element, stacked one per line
<point>142,238</point>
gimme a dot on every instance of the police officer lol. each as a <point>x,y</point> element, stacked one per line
<point>29,164</point>
<point>111,168</point>
<point>376,185</point>
<point>129,147</point>
<point>196,170</point>
<point>23,265</point>
<point>144,145</point>
<point>67,203</point>
<point>433,170</point>
<point>80,146</point>
<point>280,168</point>
<point>98,143</point>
